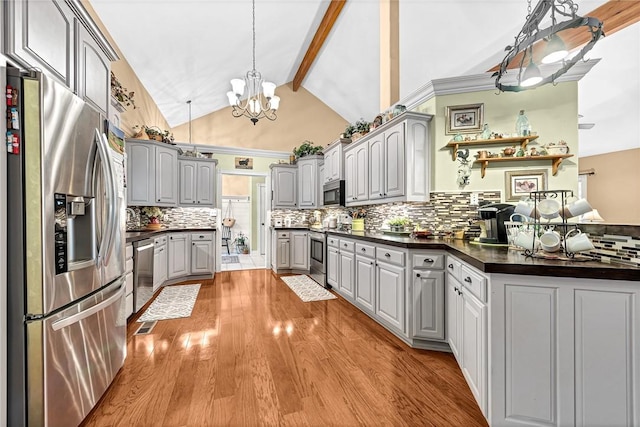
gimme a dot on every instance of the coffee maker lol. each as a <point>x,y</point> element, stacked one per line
<point>494,216</point>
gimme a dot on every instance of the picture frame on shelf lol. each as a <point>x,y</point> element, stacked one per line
<point>464,118</point>
<point>520,183</point>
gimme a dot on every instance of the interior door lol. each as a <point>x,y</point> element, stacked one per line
<point>262,213</point>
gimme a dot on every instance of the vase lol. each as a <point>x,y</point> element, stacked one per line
<point>154,226</point>
<point>357,224</point>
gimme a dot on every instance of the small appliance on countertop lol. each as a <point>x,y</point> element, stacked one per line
<point>494,216</point>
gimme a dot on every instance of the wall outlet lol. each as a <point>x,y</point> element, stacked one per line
<point>474,199</point>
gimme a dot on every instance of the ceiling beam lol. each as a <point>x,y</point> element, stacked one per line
<point>329,18</point>
<point>614,14</point>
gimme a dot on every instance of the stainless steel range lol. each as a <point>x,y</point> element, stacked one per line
<point>318,255</point>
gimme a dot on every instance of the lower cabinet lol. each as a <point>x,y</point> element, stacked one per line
<point>390,295</point>
<point>159,264</point>
<point>299,255</point>
<point>178,253</point>
<point>347,274</point>
<point>202,253</point>
<point>128,278</point>
<point>290,250</point>
<point>333,262</point>
<point>428,304</point>
<point>454,312</point>
<point>365,283</point>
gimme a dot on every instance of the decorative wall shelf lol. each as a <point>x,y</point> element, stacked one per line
<point>555,161</point>
<point>522,140</point>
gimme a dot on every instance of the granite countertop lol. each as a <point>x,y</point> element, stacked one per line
<point>492,259</point>
<point>136,235</point>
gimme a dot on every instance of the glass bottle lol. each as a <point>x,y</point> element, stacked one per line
<point>523,128</point>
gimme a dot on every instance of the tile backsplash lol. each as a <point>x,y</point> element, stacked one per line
<point>176,217</point>
<point>614,243</point>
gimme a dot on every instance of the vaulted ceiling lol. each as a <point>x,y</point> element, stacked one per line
<point>189,50</point>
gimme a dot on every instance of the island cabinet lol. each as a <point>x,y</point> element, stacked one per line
<point>398,163</point>
<point>564,351</point>
<point>59,38</point>
<point>467,321</point>
<point>152,174</point>
<point>284,186</point>
<point>309,182</point>
<point>428,290</point>
<point>197,182</point>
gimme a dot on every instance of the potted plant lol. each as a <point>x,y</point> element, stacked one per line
<point>242,243</point>
<point>154,132</point>
<point>399,223</point>
<point>153,214</point>
<point>306,149</point>
<point>121,93</point>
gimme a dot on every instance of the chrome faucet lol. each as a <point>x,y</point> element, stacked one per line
<point>132,216</point>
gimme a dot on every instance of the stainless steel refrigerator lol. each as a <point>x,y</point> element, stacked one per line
<point>66,286</point>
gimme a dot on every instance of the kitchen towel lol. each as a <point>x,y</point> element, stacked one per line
<point>307,289</point>
<point>172,303</point>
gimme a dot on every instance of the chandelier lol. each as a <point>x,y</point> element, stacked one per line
<point>261,100</point>
<point>555,56</point>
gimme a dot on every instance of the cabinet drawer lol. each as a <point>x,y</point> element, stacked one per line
<point>128,265</point>
<point>283,235</point>
<point>474,282</point>
<point>453,267</point>
<point>333,242</point>
<point>365,250</point>
<point>161,240</point>
<point>128,252</point>
<point>390,255</point>
<point>347,245</point>
<point>428,260</point>
<point>201,237</point>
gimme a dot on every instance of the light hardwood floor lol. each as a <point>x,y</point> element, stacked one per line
<point>252,353</point>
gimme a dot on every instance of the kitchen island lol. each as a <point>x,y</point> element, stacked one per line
<point>540,342</point>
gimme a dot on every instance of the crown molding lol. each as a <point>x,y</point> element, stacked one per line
<point>480,82</point>
<point>93,29</point>
<point>251,152</point>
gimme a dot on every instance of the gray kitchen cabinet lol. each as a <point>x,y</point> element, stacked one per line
<point>202,253</point>
<point>394,160</point>
<point>333,267</point>
<point>309,186</point>
<point>178,255</point>
<point>299,256</point>
<point>92,70</point>
<point>347,274</point>
<point>454,312</point>
<point>365,283</point>
<point>390,296</point>
<point>334,161</point>
<point>159,261</point>
<point>283,253</point>
<point>474,346</point>
<point>428,304</point>
<point>376,167</point>
<point>357,174</point>
<point>322,175</point>
<point>284,186</point>
<point>128,279</point>
<point>152,174</point>
<point>197,178</point>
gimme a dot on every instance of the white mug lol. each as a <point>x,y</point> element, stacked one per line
<point>549,208</point>
<point>579,242</point>
<point>526,208</point>
<point>550,241</point>
<point>576,207</point>
<point>527,240</point>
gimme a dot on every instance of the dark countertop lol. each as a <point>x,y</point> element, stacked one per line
<point>492,259</point>
<point>136,235</point>
<point>291,227</point>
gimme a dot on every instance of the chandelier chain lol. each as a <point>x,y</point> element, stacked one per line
<point>254,34</point>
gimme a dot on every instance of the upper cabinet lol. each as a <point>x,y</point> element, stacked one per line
<point>284,186</point>
<point>60,38</point>
<point>310,182</point>
<point>152,174</point>
<point>333,161</point>
<point>391,163</point>
<point>197,182</point>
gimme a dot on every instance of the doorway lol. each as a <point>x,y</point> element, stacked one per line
<point>242,197</point>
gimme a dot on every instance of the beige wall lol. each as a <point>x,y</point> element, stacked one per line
<point>553,121</point>
<point>146,112</point>
<point>236,185</point>
<point>614,188</point>
<point>301,117</point>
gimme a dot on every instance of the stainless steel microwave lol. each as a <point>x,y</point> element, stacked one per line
<point>334,194</point>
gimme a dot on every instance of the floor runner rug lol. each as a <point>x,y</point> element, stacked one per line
<point>307,289</point>
<point>172,303</point>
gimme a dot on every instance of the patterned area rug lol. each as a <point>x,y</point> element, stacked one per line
<point>307,289</point>
<point>172,303</point>
<point>230,259</point>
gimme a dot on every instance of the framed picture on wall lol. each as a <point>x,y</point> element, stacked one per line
<point>244,163</point>
<point>464,118</point>
<point>520,183</point>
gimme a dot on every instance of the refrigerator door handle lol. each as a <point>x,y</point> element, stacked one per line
<point>68,321</point>
<point>108,237</point>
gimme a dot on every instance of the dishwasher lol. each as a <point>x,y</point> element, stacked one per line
<point>142,272</point>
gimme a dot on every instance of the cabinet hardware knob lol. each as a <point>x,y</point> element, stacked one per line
<point>467,279</point>
<point>459,292</point>
<point>193,244</point>
<point>171,238</point>
<point>202,237</point>
<point>198,201</point>
<point>428,260</point>
<point>158,199</point>
<point>417,274</point>
<point>371,263</point>
<point>450,266</point>
<point>387,254</point>
<point>364,250</point>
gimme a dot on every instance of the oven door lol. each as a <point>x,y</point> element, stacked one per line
<point>317,254</point>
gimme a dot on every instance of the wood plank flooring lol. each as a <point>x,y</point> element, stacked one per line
<point>252,353</point>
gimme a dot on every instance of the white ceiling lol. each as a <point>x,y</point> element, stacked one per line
<point>189,50</point>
